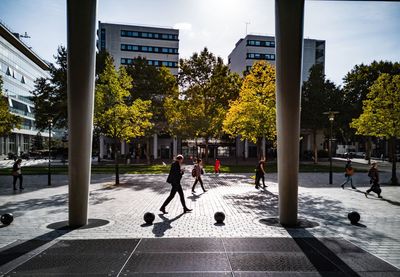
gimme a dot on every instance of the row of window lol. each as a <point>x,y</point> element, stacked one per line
<point>259,56</point>
<point>127,61</point>
<point>103,39</point>
<point>261,43</point>
<point>149,49</point>
<point>135,34</point>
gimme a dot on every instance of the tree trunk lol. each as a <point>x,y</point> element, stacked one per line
<point>116,161</point>
<point>315,148</point>
<point>394,159</point>
<point>368,149</point>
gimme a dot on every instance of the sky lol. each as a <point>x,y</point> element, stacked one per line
<point>355,32</point>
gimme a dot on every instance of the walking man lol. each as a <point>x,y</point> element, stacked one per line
<point>374,175</point>
<point>17,174</point>
<point>196,173</point>
<point>260,174</point>
<point>348,173</point>
<point>174,178</point>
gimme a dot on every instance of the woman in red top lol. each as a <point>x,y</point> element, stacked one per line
<point>217,166</point>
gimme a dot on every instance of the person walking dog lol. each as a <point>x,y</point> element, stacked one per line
<point>348,173</point>
<point>17,174</point>
<point>374,175</point>
<point>174,178</point>
<point>196,173</point>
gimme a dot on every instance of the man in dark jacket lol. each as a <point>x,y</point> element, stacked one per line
<point>174,178</point>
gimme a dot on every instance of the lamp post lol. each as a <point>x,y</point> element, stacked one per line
<point>331,117</point>
<point>50,121</point>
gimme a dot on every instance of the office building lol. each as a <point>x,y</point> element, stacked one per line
<point>255,47</point>
<point>19,68</point>
<point>125,43</point>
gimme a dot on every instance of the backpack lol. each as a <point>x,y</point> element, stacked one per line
<point>194,171</point>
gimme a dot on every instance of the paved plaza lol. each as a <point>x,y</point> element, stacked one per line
<point>39,209</point>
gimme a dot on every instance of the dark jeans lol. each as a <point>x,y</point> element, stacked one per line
<point>176,188</point>
<point>15,178</point>
<point>258,178</point>
<point>375,188</point>
<point>198,180</point>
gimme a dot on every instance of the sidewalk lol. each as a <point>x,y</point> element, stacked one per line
<point>234,194</point>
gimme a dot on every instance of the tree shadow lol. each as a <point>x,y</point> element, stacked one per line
<point>159,228</point>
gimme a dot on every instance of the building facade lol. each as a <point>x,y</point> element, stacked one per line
<point>255,47</point>
<point>19,68</point>
<point>125,43</point>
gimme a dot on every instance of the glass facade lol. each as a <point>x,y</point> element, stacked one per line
<point>127,61</point>
<point>150,35</point>
<point>261,43</point>
<point>260,56</point>
<point>19,68</point>
<point>148,49</point>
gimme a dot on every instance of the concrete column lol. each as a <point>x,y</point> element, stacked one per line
<point>123,146</point>
<point>289,44</point>
<point>263,145</point>
<point>174,146</point>
<point>155,146</point>
<point>101,147</point>
<point>246,149</point>
<point>81,38</point>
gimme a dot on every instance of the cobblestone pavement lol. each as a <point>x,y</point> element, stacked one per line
<point>234,194</point>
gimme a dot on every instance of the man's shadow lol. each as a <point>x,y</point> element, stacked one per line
<point>194,196</point>
<point>159,228</point>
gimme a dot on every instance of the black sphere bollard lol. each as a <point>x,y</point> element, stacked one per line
<point>219,217</point>
<point>6,219</point>
<point>149,218</point>
<point>354,217</point>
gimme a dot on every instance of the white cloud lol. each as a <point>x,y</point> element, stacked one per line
<point>183,26</point>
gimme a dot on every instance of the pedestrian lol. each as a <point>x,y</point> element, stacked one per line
<point>348,173</point>
<point>174,178</point>
<point>374,175</point>
<point>196,173</point>
<point>17,174</point>
<point>260,174</point>
<point>217,166</point>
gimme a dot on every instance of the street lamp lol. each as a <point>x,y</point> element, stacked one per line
<point>331,117</point>
<point>50,122</point>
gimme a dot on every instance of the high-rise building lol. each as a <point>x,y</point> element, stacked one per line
<point>125,43</point>
<point>255,47</point>
<point>19,68</point>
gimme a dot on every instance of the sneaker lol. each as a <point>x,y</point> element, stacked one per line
<point>163,211</point>
<point>366,194</point>
<point>342,186</point>
<point>186,210</point>
<point>353,187</point>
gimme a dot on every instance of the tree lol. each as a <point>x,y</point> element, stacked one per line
<point>115,118</point>
<point>381,113</point>
<point>37,142</point>
<point>154,84</point>
<point>356,87</point>
<point>8,121</point>
<point>319,95</point>
<point>253,114</point>
<point>50,94</point>
<point>207,87</point>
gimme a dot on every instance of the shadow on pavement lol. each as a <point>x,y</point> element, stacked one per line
<point>159,228</point>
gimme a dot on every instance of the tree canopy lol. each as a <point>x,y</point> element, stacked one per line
<point>253,114</point>
<point>8,121</point>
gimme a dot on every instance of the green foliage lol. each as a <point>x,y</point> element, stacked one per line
<point>50,94</point>
<point>154,84</point>
<point>356,87</point>
<point>381,109</point>
<point>8,121</point>
<point>207,88</point>
<point>253,114</point>
<point>37,142</point>
<point>113,116</point>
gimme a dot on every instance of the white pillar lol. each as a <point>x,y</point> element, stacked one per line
<point>263,145</point>
<point>81,38</point>
<point>101,147</point>
<point>175,147</point>
<point>246,149</point>
<point>155,146</point>
<point>123,144</point>
<point>289,44</point>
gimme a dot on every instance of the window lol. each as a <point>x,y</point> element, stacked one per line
<point>150,35</point>
<point>261,43</point>
<point>152,49</point>
<point>127,61</point>
<point>259,56</point>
